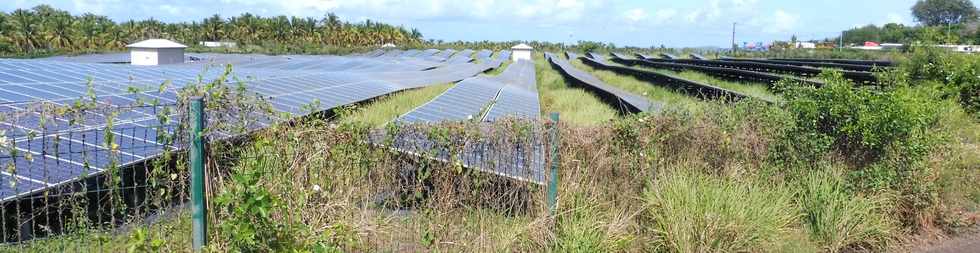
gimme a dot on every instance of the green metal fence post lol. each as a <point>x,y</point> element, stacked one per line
<point>553,182</point>
<point>198,209</point>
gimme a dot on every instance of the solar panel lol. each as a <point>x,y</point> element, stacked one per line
<point>570,55</point>
<point>427,53</point>
<point>669,56</point>
<point>697,56</point>
<point>620,56</point>
<point>619,98</point>
<point>519,97</point>
<point>289,83</point>
<point>484,54</point>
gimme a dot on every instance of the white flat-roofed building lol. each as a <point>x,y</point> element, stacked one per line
<point>156,52</point>
<point>521,52</point>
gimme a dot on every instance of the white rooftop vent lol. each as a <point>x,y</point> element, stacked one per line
<point>156,52</point>
<point>521,52</point>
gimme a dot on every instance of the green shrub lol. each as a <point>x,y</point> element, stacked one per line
<point>246,207</point>
<point>696,213</point>
<point>957,75</point>
<point>884,134</point>
<point>838,219</point>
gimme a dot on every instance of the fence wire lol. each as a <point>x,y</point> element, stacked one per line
<point>98,177</point>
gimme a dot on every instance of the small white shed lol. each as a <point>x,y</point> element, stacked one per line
<point>156,52</point>
<point>520,52</point>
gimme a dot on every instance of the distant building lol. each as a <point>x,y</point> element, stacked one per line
<point>969,49</point>
<point>521,52</point>
<point>801,44</point>
<point>156,52</point>
<point>388,45</point>
<point>218,44</point>
<point>892,46</point>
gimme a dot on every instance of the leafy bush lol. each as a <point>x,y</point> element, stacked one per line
<point>247,208</point>
<point>865,125</point>
<point>696,213</point>
<point>957,75</point>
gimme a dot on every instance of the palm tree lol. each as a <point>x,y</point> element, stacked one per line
<point>59,31</point>
<point>26,27</point>
<point>213,28</point>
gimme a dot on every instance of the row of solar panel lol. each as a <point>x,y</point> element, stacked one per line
<point>43,162</point>
<point>621,99</point>
<point>512,93</point>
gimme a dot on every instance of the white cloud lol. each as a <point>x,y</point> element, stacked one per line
<point>664,15</point>
<point>780,22</point>
<point>635,15</point>
<point>744,3</point>
<point>173,10</point>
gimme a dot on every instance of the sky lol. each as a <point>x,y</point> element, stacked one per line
<point>643,23</point>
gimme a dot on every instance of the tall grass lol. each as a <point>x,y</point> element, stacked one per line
<point>385,109</point>
<point>838,219</point>
<point>668,96</point>
<point>575,105</point>
<point>697,213</point>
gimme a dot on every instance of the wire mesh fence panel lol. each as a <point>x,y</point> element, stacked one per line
<point>317,184</point>
<point>77,176</point>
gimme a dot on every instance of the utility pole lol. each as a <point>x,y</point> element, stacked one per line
<point>734,48</point>
<point>841,45</point>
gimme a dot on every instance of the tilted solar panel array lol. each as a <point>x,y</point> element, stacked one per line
<point>484,54</point>
<point>519,97</point>
<point>26,82</point>
<point>690,87</point>
<point>669,56</point>
<point>473,97</point>
<point>619,98</point>
<point>618,55</point>
<point>512,94</point>
<point>696,56</point>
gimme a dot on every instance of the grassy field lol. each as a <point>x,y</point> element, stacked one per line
<point>804,175</point>
<point>574,105</point>
<point>669,97</point>
<point>385,109</point>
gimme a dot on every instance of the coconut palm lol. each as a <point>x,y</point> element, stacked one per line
<point>26,27</point>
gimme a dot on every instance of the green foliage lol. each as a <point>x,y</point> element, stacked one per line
<point>247,206</point>
<point>44,30</point>
<point>839,219</point>
<point>865,125</point>
<point>696,213</point>
<point>955,75</point>
<point>944,12</point>
<point>139,241</point>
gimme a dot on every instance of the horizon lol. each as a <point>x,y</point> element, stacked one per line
<point>705,23</point>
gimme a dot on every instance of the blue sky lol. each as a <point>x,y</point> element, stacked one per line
<point>624,22</point>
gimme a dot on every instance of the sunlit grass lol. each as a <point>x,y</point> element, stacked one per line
<point>757,90</point>
<point>389,107</point>
<point>654,92</point>
<point>574,105</point>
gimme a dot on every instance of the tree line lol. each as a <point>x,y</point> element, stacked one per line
<point>940,21</point>
<point>47,29</point>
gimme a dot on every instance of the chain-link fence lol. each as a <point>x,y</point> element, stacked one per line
<point>318,184</point>
<point>75,174</point>
<point>92,175</point>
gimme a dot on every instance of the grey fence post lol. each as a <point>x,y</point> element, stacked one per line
<point>198,208</point>
<point>553,180</point>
